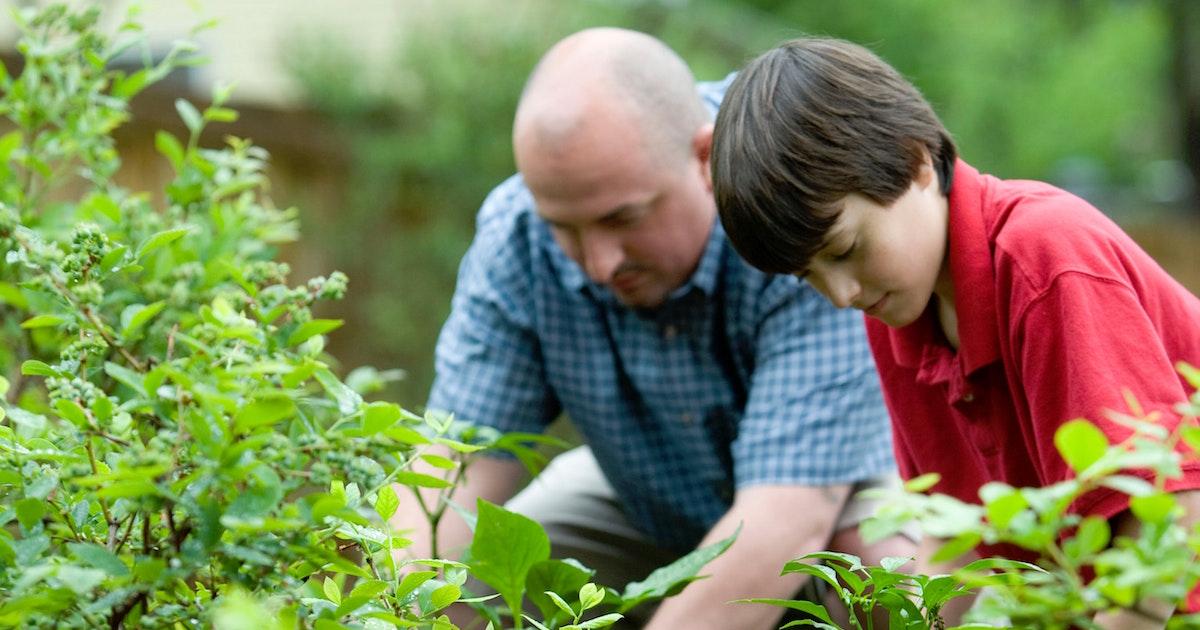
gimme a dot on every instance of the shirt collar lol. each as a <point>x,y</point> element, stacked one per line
<point>704,278</point>
<point>971,271</point>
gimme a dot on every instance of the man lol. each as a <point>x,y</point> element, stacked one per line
<point>999,309</point>
<point>710,394</point>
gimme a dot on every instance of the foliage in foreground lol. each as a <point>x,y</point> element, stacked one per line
<point>176,449</point>
<point>1084,568</point>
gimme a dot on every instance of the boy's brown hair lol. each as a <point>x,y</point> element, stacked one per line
<point>806,124</point>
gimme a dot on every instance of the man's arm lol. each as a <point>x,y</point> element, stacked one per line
<point>1149,614</point>
<point>779,523</point>
<point>494,479</point>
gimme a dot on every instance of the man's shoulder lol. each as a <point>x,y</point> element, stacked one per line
<point>751,295</point>
<point>510,243</point>
<point>713,92</point>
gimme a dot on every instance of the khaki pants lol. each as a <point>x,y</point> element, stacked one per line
<point>579,510</point>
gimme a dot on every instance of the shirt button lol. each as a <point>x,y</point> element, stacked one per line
<point>687,418</point>
<point>669,332</point>
<point>968,397</point>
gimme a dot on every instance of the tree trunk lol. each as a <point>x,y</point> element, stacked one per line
<point>1184,23</point>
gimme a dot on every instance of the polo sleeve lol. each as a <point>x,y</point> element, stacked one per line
<point>489,367</point>
<point>1079,345</point>
<point>814,414</point>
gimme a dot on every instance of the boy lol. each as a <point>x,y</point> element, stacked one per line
<point>998,309</point>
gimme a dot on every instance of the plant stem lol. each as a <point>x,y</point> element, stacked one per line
<point>112,525</point>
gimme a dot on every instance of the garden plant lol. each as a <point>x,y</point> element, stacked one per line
<point>1084,567</point>
<point>177,448</point>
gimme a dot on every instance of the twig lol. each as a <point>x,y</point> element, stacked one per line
<point>112,532</point>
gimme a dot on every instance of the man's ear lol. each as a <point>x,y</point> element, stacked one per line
<point>702,149</point>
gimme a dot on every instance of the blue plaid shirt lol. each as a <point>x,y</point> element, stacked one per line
<point>740,378</point>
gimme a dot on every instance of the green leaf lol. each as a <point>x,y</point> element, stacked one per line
<point>1001,564</point>
<point>379,416</point>
<point>602,621</point>
<point>590,596</point>
<point>557,576</point>
<point>161,239</point>
<point>348,400</point>
<point>505,547</point>
<point>957,546</point>
<point>103,204</point>
<point>1191,436</point>
<point>1080,443</point>
<point>42,321</point>
<point>560,603</point>
<point>262,412</point>
<point>411,582</point>
<point>220,114</point>
<point>70,411</point>
<point>386,502</point>
<point>135,316</point>
<point>30,512</point>
<point>79,579</point>
<point>1002,509</point>
<point>333,592</point>
<point>922,483</point>
<point>125,87</point>
<point>11,294</point>
<point>421,480</point>
<point>34,367</point>
<point>891,563</point>
<point>666,581</point>
<point>938,590</point>
<point>169,147</point>
<point>191,118</point>
<point>263,492</point>
<point>1090,538</point>
<point>819,571</point>
<point>1153,508</point>
<point>113,258</point>
<point>440,597</point>
<point>312,328</point>
<point>816,610</point>
<point>128,489</point>
<point>100,558</point>
<point>1130,485</point>
<point>126,377</point>
<point>1189,372</point>
<point>437,461</point>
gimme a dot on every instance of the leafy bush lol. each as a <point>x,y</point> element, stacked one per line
<point>1158,563</point>
<point>175,449</point>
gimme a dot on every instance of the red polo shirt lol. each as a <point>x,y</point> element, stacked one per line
<point>1058,312</point>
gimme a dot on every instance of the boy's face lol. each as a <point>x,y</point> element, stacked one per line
<point>886,261</point>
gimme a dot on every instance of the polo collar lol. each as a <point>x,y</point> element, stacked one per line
<point>918,345</point>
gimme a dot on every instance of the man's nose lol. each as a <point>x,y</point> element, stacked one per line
<point>600,256</point>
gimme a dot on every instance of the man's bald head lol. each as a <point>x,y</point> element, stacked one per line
<point>628,76</point>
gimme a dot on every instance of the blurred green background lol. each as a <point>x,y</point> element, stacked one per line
<point>1079,93</point>
<point>388,156</point>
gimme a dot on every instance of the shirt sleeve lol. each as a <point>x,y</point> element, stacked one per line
<point>489,367</point>
<point>1079,345</point>
<point>814,414</point>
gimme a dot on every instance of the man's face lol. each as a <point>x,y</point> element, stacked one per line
<point>885,261</point>
<point>635,224</point>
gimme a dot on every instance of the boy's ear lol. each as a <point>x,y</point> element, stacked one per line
<point>702,149</point>
<point>926,174</point>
